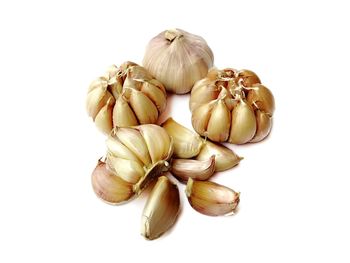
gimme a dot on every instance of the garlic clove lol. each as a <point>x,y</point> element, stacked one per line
<point>143,107</point>
<point>264,124</point>
<point>110,187</point>
<point>210,198</point>
<point>103,119</point>
<point>134,141</point>
<point>178,59</point>
<point>187,143</point>
<point>202,94</point>
<point>243,125</point>
<point>129,170</point>
<point>248,77</point>
<point>225,158</point>
<point>184,169</point>
<point>157,95</point>
<point>118,149</point>
<point>123,116</point>
<point>100,82</point>
<point>157,140</point>
<point>96,99</point>
<point>262,98</point>
<point>219,122</point>
<point>201,116</point>
<point>161,209</point>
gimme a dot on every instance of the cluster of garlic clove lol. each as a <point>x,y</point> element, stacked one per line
<point>135,156</point>
<point>125,96</point>
<point>233,106</point>
<point>178,59</point>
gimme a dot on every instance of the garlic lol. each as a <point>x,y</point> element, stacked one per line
<point>225,106</point>
<point>178,59</point>
<point>224,157</point>
<point>125,96</point>
<point>195,169</point>
<point>161,209</point>
<point>110,187</point>
<point>187,143</point>
<point>210,198</point>
<point>139,154</point>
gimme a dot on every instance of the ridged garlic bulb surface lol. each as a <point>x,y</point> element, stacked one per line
<point>125,96</point>
<point>178,59</point>
<point>233,106</point>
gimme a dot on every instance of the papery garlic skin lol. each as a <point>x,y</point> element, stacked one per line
<point>231,106</point>
<point>178,59</point>
<point>125,96</point>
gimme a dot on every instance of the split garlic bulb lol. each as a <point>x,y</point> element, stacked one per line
<point>178,59</point>
<point>230,105</point>
<point>135,156</point>
<point>125,96</point>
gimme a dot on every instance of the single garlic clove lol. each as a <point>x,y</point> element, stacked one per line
<point>187,143</point>
<point>161,209</point>
<point>210,198</point>
<point>202,93</point>
<point>123,116</point>
<point>262,98</point>
<point>157,140</point>
<point>110,187</point>
<point>178,59</point>
<point>101,82</point>
<point>143,107</point>
<point>184,169</point>
<point>118,149</point>
<point>134,141</point>
<point>219,122</point>
<point>96,99</point>
<point>201,116</point>
<point>104,117</point>
<point>243,125</point>
<point>248,77</point>
<point>129,170</point>
<point>225,158</point>
<point>264,124</point>
<point>156,94</point>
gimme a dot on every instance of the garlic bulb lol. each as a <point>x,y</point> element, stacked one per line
<point>125,96</point>
<point>135,157</point>
<point>233,106</point>
<point>178,59</point>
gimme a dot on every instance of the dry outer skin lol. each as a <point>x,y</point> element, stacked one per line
<point>232,106</point>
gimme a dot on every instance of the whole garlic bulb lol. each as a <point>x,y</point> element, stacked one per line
<point>230,105</point>
<point>125,96</point>
<point>178,59</point>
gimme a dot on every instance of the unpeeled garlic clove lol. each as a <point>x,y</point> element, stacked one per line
<point>210,198</point>
<point>243,125</point>
<point>203,92</point>
<point>225,158</point>
<point>110,187</point>
<point>135,142</point>
<point>201,116</point>
<point>157,140</point>
<point>184,169</point>
<point>123,116</point>
<point>187,143</point>
<point>262,98</point>
<point>161,209</point>
<point>96,99</point>
<point>129,170</point>
<point>119,150</point>
<point>219,123</point>
<point>178,59</point>
<point>248,77</point>
<point>264,124</point>
<point>156,94</point>
<point>104,118</point>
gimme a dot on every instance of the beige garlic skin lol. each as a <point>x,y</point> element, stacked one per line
<point>232,106</point>
<point>178,59</point>
<point>135,156</point>
<point>125,96</point>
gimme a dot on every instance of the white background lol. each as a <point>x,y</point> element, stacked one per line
<point>295,185</point>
